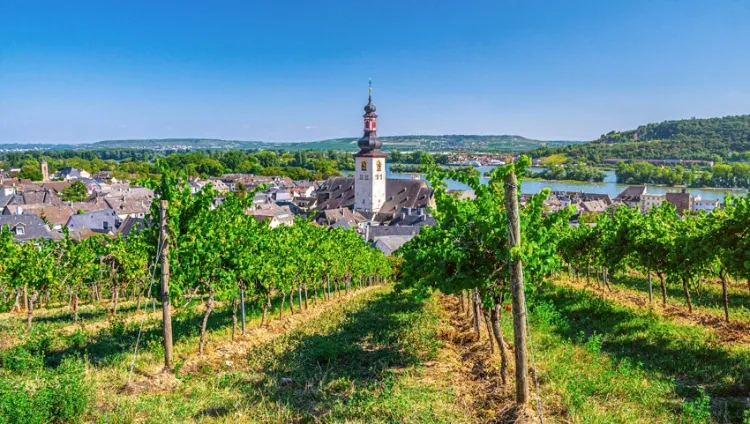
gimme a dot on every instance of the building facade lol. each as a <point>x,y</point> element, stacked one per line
<point>44,169</point>
<point>369,162</point>
<point>705,205</point>
<point>368,193</point>
<point>649,201</point>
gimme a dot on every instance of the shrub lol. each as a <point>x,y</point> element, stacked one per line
<point>698,410</point>
<point>69,390</point>
<point>61,395</point>
<point>40,343</point>
<point>78,339</point>
<point>17,404</point>
<point>117,326</point>
<point>19,359</point>
<point>548,316</point>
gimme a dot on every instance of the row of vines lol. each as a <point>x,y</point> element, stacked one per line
<point>684,251</point>
<point>216,253</point>
<point>467,252</point>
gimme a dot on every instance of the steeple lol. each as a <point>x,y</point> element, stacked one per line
<point>44,169</point>
<point>369,163</point>
<point>370,143</point>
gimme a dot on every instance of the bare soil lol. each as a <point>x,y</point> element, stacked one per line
<point>479,388</point>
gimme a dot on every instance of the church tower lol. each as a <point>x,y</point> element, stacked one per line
<point>369,163</point>
<point>43,168</point>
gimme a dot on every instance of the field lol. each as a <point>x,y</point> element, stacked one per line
<point>378,355</point>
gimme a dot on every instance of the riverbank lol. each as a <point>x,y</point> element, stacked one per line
<point>609,186</point>
<point>525,178</point>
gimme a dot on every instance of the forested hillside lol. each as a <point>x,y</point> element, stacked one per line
<point>726,138</point>
<point>504,143</point>
<point>432,143</point>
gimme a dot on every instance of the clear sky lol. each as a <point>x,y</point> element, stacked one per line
<point>279,70</point>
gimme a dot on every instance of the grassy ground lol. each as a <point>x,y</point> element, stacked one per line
<point>707,297</point>
<point>381,356</point>
<point>708,312</point>
<point>361,358</point>
<point>105,339</point>
<point>361,361</point>
<point>604,362</point>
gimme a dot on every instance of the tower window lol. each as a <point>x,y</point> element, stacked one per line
<point>379,165</point>
<point>363,166</point>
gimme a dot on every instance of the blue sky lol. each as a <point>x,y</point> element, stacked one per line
<point>82,71</point>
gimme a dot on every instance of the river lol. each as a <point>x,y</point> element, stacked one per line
<point>609,186</point>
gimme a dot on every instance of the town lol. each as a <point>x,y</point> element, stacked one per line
<point>386,212</point>
<point>540,212</point>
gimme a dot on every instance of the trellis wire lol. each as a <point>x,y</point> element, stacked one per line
<point>533,365</point>
<point>143,317</point>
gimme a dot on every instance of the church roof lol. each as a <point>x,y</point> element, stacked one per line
<point>338,192</point>
<point>389,244</point>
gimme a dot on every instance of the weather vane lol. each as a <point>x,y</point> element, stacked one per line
<point>369,88</point>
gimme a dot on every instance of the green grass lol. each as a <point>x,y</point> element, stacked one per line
<point>602,362</point>
<point>360,362</point>
<point>112,342</point>
<point>369,360</point>
<point>706,298</point>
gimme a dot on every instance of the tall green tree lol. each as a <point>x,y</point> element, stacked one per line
<point>76,192</point>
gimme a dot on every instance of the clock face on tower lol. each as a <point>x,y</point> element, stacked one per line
<point>363,166</point>
<point>379,165</point>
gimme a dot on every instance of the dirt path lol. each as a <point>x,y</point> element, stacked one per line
<point>479,388</point>
<point>734,331</point>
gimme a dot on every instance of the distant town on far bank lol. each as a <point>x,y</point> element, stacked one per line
<point>110,190</point>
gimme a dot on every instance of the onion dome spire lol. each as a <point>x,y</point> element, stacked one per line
<point>369,107</point>
<point>370,143</point>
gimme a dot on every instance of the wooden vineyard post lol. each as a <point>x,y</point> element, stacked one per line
<point>166,311</point>
<point>650,289</point>
<point>516,284</point>
<point>242,308</point>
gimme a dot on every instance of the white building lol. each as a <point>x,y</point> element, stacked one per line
<point>705,205</point>
<point>70,173</point>
<point>378,200</point>
<point>369,162</point>
<point>649,201</point>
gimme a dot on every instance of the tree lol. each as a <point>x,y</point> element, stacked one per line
<point>726,243</point>
<point>76,192</point>
<point>35,269</point>
<point>685,260</point>
<point>9,265</point>
<point>734,237</point>
<point>653,242</point>
<point>468,249</point>
<point>77,268</point>
<point>31,172</point>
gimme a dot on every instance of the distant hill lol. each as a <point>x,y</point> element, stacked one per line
<point>430,143</point>
<point>170,143</point>
<point>706,139</point>
<point>433,143</point>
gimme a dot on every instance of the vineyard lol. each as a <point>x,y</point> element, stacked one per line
<point>214,254</point>
<point>499,313</point>
<point>594,285</point>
